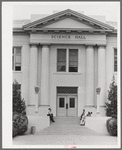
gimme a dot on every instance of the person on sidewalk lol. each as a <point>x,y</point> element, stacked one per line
<point>50,114</point>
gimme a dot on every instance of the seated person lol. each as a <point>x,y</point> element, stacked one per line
<point>50,114</point>
<point>83,117</point>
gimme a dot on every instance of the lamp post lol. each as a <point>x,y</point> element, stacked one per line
<point>36,98</point>
<point>98,89</point>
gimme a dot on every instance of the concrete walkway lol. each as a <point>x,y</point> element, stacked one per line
<point>66,131</point>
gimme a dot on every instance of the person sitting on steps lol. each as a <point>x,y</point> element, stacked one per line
<point>83,117</point>
<point>50,115</point>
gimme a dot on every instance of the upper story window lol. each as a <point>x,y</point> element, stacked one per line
<point>61,60</point>
<point>115,60</point>
<point>16,59</point>
<point>67,64</point>
<point>73,60</point>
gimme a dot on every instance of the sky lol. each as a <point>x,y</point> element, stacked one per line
<point>23,10</point>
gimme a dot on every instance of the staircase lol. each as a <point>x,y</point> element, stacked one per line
<point>66,126</point>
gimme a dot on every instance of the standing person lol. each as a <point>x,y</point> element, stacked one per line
<point>50,114</point>
<point>83,118</point>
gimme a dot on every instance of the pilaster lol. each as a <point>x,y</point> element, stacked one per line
<point>89,75</point>
<point>101,74</point>
<point>33,73</point>
<point>45,75</point>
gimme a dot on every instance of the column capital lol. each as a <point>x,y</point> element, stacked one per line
<point>45,45</point>
<point>89,46</point>
<point>34,44</point>
<point>101,46</point>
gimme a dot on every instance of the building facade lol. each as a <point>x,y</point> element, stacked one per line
<point>67,55</point>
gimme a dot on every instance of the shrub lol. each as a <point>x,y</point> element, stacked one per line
<point>20,120</point>
<point>20,124</point>
<point>112,126</point>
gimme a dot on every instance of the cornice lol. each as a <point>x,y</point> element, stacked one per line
<point>63,31</point>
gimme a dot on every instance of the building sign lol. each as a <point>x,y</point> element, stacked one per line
<point>66,36</point>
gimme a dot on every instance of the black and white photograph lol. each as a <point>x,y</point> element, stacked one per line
<point>61,74</point>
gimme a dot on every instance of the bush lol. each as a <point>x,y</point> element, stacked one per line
<point>112,126</point>
<point>20,124</point>
<point>20,120</point>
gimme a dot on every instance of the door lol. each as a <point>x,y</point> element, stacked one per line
<point>61,106</point>
<point>72,106</point>
<point>67,106</point>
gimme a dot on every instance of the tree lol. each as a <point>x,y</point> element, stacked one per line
<point>20,120</point>
<point>111,105</point>
<point>18,103</point>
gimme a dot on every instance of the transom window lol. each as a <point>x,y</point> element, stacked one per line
<point>67,60</point>
<point>115,60</point>
<point>16,59</point>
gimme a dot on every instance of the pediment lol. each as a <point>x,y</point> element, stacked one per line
<point>67,23</point>
<point>67,19</point>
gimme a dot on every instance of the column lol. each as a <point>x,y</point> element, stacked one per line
<point>101,74</point>
<point>45,76</point>
<point>89,75</point>
<point>33,74</point>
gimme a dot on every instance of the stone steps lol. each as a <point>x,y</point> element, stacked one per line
<point>67,126</point>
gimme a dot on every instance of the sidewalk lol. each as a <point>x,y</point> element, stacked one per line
<point>66,131</point>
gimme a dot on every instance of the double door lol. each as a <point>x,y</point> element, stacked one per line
<point>66,105</point>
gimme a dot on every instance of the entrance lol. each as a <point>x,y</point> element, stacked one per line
<point>66,105</point>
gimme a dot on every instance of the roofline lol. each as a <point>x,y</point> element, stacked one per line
<point>68,11</point>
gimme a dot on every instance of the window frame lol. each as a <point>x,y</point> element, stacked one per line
<point>14,57</point>
<point>67,59</point>
<point>72,61</point>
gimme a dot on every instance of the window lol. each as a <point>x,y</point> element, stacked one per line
<point>61,60</point>
<point>16,59</point>
<point>73,60</point>
<point>67,60</point>
<point>72,102</point>
<point>115,60</point>
<point>61,102</point>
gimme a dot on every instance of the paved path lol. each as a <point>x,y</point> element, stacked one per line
<point>66,131</point>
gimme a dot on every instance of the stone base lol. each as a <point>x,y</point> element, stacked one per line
<point>42,110</point>
<point>39,122</point>
<point>98,124</point>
